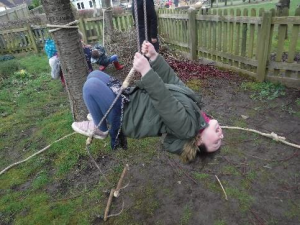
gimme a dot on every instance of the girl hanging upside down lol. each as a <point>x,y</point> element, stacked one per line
<point>159,104</point>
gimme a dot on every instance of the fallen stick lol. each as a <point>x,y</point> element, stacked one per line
<point>222,187</point>
<point>116,192</point>
<point>108,204</point>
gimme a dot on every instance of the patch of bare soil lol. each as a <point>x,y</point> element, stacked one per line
<point>260,176</point>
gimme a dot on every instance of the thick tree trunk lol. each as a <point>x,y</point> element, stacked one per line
<point>108,20</point>
<point>70,52</point>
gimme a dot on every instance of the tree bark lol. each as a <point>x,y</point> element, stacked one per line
<point>70,52</point>
<point>108,20</point>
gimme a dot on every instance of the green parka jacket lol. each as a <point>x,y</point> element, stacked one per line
<point>161,103</point>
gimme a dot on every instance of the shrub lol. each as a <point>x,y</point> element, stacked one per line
<point>86,13</point>
<point>7,68</point>
<point>265,90</point>
<point>117,10</point>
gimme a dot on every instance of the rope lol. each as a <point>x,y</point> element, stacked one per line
<point>137,25</point>
<point>59,27</point>
<point>145,20</point>
<point>272,135</point>
<point>39,152</point>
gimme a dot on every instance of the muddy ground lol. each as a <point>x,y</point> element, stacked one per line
<point>260,176</point>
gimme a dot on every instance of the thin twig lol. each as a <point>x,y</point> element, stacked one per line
<point>222,187</point>
<point>116,193</point>
<point>111,195</point>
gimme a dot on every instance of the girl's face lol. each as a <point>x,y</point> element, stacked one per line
<point>212,136</point>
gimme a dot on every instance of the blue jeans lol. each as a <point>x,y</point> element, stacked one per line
<point>98,97</point>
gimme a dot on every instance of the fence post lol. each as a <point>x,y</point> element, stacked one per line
<point>32,38</point>
<point>192,33</point>
<point>83,30</point>
<point>263,46</point>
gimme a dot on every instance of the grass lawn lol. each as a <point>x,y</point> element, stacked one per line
<point>34,112</point>
<point>265,5</point>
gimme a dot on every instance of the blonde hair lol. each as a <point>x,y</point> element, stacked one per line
<point>190,149</point>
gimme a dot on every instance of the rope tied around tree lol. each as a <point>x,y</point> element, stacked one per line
<point>66,26</point>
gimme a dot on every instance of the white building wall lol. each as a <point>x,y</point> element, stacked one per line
<point>86,4</point>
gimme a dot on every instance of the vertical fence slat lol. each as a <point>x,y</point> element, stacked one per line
<point>32,39</point>
<point>244,35</point>
<point>209,36</point>
<point>260,13</point>
<point>294,39</point>
<point>237,39</point>
<point>192,34</point>
<point>251,36</point>
<point>219,34</point>
<point>282,30</point>
<point>231,35</point>
<point>263,45</point>
<point>214,36</point>
<point>83,29</point>
<point>225,43</point>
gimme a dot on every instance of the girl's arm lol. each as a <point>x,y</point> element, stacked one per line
<point>160,66</point>
<point>179,118</point>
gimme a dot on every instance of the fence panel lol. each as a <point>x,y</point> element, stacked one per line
<point>20,40</point>
<point>284,65</point>
<point>18,12</point>
<point>173,28</point>
<point>224,37</point>
<point>92,28</point>
<point>239,41</point>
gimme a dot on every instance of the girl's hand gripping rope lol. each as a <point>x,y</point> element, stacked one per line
<point>141,64</point>
<point>149,51</point>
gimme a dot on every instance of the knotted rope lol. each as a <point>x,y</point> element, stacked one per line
<point>59,27</point>
<point>272,135</point>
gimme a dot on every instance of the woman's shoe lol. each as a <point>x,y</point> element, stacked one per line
<point>87,127</point>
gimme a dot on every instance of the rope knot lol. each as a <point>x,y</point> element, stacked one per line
<point>276,137</point>
<point>66,26</point>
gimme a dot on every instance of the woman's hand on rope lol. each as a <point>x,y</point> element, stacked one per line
<point>141,64</point>
<point>153,40</point>
<point>149,50</point>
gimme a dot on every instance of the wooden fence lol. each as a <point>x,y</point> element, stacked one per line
<point>29,38</point>
<point>249,42</point>
<point>18,12</point>
<point>32,38</point>
<point>92,28</point>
